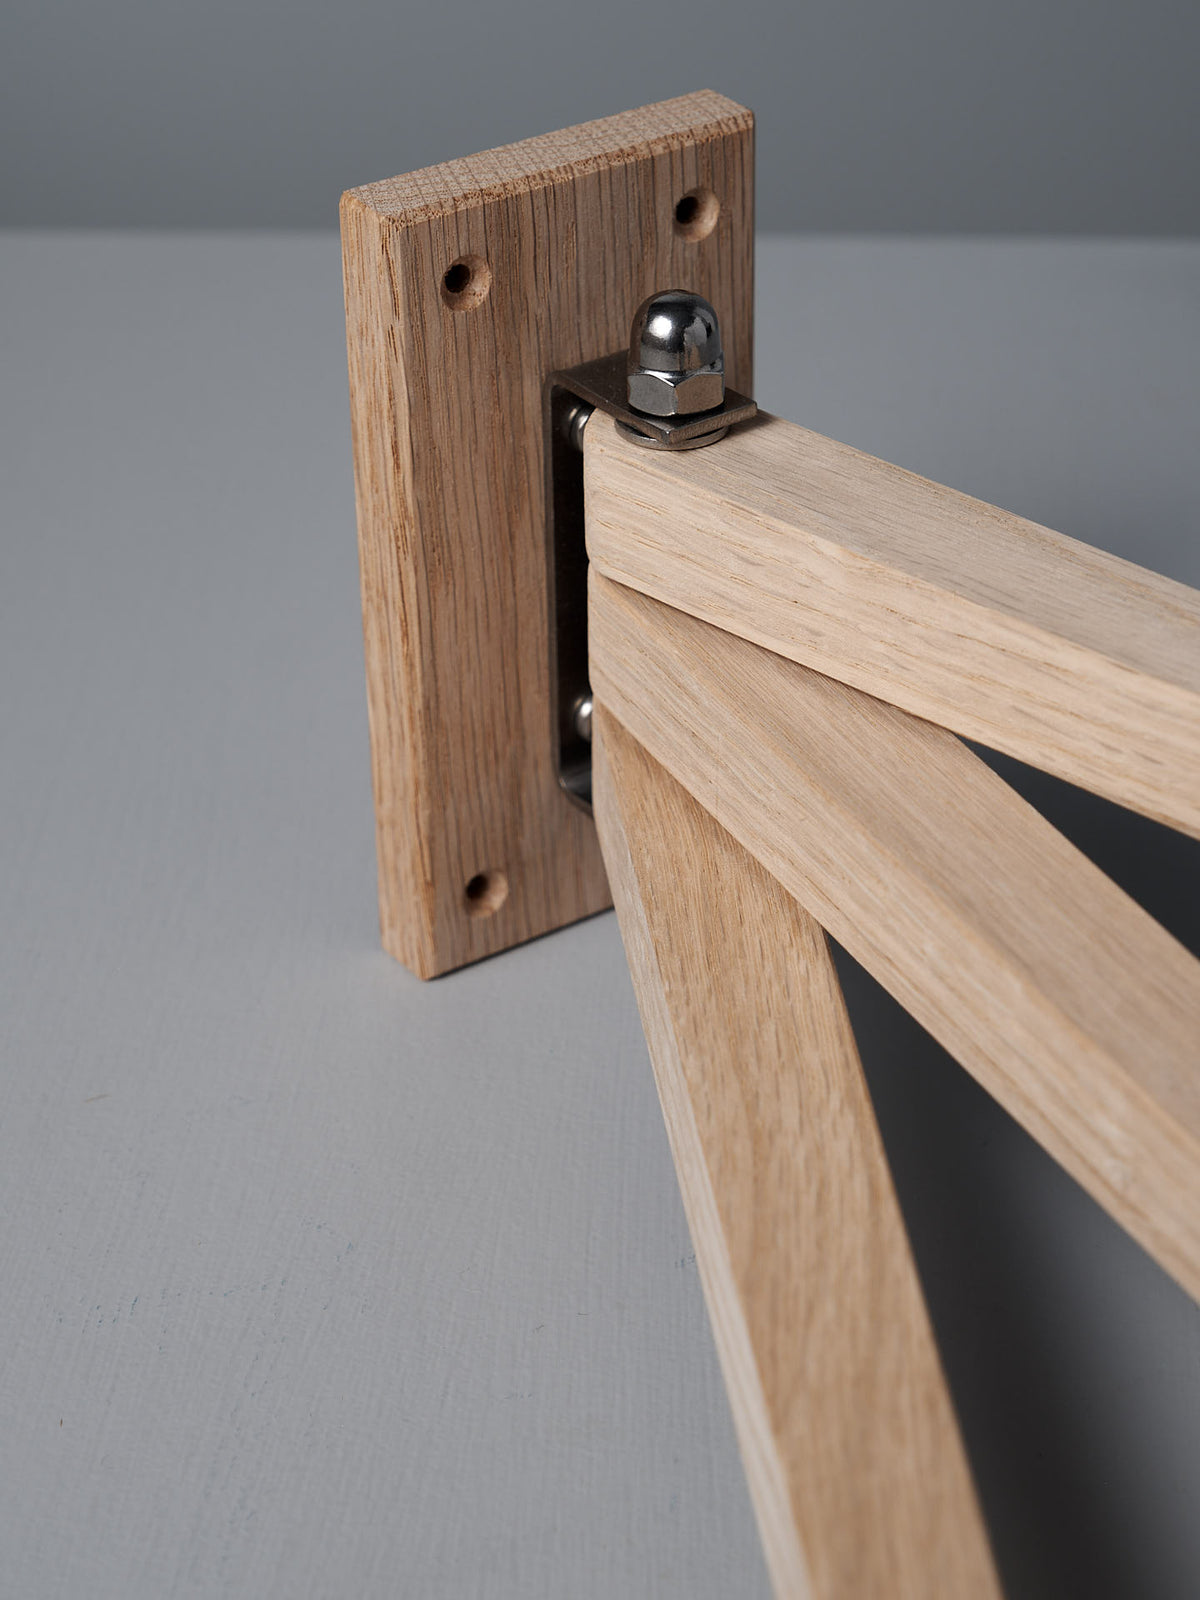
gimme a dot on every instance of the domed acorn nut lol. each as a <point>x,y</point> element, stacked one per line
<point>676,363</point>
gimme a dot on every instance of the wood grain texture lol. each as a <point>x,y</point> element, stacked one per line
<point>1070,1004</point>
<point>1033,643</point>
<point>561,237</point>
<point>851,1449</point>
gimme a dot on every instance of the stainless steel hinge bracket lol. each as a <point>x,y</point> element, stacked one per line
<point>570,397</point>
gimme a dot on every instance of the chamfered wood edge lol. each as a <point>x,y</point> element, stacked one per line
<point>852,1453</point>
<point>549,158</point>
<point>1065,999</point>
<point>446,406</point>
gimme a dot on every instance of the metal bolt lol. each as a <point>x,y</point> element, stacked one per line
<point>581,717</point>
<point>575,420</point>
<point>676,363</point>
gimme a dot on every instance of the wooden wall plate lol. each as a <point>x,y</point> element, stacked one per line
<point>466,284</point>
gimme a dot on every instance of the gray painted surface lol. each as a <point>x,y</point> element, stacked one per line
<point>318,1282</point>
<point>1032,116</point>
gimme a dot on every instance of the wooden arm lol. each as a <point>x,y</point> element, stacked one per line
<point>1063,997</point>
<point>1028,641</point>
<point>851,1450</point>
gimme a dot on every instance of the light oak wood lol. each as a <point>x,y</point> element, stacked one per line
<point>853,1457</point>
<point>1070,1004</point>
<point>551,245</point>
<point>1028,641</point>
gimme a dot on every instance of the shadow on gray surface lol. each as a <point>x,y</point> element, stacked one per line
<point>1059,1335</point>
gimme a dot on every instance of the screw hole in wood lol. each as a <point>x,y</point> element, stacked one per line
<point>465,283</point>
<point>485,893</point>
<point>696,214</point>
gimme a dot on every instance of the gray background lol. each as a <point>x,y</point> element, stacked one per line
<point>1031,116</point>
<point>318,1283</point>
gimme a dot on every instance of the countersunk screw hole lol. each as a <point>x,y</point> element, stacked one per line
<point>696,214</point>
<point>485,892</point>
<point>465,283</point>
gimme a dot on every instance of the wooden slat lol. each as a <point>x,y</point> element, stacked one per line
<point>556,240</point>
<point>853,1457</point>
<point>1070,1004</point>
<point>1008,633</point>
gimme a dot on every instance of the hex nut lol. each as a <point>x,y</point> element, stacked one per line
<point>676,363</point>
<point>676,394</point>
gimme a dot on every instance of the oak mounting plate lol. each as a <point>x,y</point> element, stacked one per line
<point>466,284</point>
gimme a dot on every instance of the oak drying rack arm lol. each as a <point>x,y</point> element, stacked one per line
<point>784,640</point>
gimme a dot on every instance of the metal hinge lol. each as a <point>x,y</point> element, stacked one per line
<point>666,392</point>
